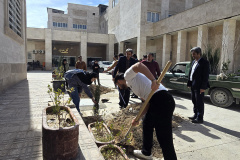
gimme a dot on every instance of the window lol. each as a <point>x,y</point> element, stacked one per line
<point>61,25</point>
<point>79,26</point>
<point>180,68</point>
<point>114,3</point>
<point>153,17</point>
<point>14,16</point>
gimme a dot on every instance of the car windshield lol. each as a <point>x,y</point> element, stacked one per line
<point>107,63</point>
<point>180,68</point>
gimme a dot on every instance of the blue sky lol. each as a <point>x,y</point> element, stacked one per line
<point>37,9</point>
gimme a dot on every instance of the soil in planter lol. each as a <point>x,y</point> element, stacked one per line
<point>102,135</point>
<point>92,87</point>
<point>110,153</point>
<point>65,118</point>
<point>122,121</point>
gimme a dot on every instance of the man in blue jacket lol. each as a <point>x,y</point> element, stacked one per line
<point>79,80</point>
<point>198,81</point>
<point>123,64</point>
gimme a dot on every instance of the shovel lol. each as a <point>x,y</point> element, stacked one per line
<point>149,97</point>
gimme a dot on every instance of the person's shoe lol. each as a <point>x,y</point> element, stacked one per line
<point>193,117</point>
<point>134,96</point>
<point>121,107</point>
<point>197,120</point>
<point>139,154</point>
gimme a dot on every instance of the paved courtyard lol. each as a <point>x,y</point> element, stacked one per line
<point>21,118</point>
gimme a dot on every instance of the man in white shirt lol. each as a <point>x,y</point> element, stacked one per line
<point>158,112</point>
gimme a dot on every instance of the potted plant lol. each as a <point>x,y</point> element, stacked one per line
<point>60,129</point>
<point>58,79</point>
<point>113,152</point>
<point>100,133</point>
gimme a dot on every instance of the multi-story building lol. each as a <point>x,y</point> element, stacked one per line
<point>70,35</point>
<point>12,42</point>
<point>167,28</point>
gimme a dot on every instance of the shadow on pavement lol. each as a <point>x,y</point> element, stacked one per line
<point>189,126</point>
<point>20,134</point>
<point>222,129</point>
<point>181,106</point>
<point>180,95</point>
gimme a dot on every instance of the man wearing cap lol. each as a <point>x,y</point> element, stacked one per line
<point>198,81</point>
<point>80,64</point>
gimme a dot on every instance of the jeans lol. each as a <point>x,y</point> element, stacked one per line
<point>159,116</point>
<point>124,95</point>
<point>75,97</point>
<point>97,80</point>
<point>198,104</point>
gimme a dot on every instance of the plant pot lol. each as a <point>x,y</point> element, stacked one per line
<point>97,141</point>
<point>57,84</point>
<point>59,143</point>
<point>118,148</point>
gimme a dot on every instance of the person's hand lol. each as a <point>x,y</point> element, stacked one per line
<point>155,85</point>
<point>113,79</point>
<point>94,101</point>
<point>104,71</point>
<point>79,94</point>
<point>134,122</point>
<point>202,91</point>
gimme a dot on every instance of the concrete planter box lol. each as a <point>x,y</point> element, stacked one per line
<point>59,143</point>
<point>118,148</point>
<point>98,142</point>
<point>57,84</point>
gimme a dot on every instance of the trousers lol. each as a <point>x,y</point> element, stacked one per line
<point>198,104</point>
<point>159,116</point>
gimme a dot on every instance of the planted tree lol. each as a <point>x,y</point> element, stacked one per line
<point>213,56</point>
<point>97,94</point>
<point>57,98</point>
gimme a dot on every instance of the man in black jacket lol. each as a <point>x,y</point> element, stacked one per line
<point>123,64</point>
<point>198,81</point>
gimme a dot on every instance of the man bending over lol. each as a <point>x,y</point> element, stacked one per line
<point>158,112</point>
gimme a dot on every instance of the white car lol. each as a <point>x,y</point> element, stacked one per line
<point>104,65</point>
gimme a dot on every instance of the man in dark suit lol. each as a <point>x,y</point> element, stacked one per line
<point>123,64</point>
<point>198,81</point>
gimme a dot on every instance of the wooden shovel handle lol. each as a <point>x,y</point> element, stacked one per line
<point>152,92</point>
<point>149,97</point>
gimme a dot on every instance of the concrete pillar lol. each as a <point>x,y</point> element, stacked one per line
<point>228,41</point>
<point>188,4</point>
<point>110,47</point>
<point>141,46</point>
<point>48,49</point>
<point>166,49</point>
<point>83,52</point>
<point>121,47</point>
<point>165,9</point>
<point>181,46</point>
<point>202,37</point>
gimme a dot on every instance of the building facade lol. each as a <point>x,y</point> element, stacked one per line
<point>167,28</point>
<point>12,43</point>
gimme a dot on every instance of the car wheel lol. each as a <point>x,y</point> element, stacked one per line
<point>221,97</point>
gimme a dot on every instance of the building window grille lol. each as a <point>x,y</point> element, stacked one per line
<point>14,16</point>
<point>60,25</point>
<point>79,26</point>
<point>153,17</point>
